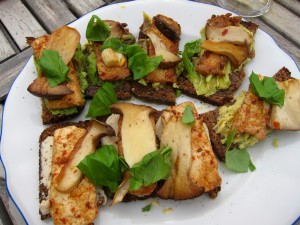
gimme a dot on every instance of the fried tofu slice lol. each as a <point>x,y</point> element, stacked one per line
<point>80,205</point>
<point>72,100</point>
<point>252,117</point>
<point>211,63</point>
<point>194,168</point>
<point>110,73</point>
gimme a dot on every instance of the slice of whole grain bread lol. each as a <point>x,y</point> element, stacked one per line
<point>44,161</point>
<point>211,118</point>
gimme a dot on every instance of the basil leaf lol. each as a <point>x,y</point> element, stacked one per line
<point>190,49</point>
<point>238,160</point>
<point>102,100</point>
<point>251,166</point>
<point>97,30</point>
<point>102,167</point>
<point>138,61</point>
<point>188,115</point>
<point>92,72</point>
<point>141,64</point>
<point>147,208</point>
<point>267,89</point>
<point>54,68</point>
<point>230,139</point>
<point>153,167</point>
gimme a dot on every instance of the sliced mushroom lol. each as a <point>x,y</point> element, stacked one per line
<point>287,117</point>
<point>231,34</point>
<point>70,176</point>
<point>170,28</point>
<point>116,29</point>
<point>236,54</point>
<point>136,138</point>
<point>136,131</point>
<point>41,88</point>
<point>65,41</point>
<point>194,166</point>
<point>163,47</point>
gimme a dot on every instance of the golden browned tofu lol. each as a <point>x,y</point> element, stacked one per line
<point>80,205</point>
<point>110,73</point>
<point>72,100</point>
<point>252,117</point>
<point>211,63</point>
<point>162,75</point>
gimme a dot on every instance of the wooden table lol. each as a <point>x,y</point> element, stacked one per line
<point>23,18</point>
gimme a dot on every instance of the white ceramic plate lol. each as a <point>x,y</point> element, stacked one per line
<point>270,195</point>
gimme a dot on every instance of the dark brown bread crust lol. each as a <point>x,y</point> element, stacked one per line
<point>210,119</point>
<point>49,118</point>
<point>220,97</point>
<point>43,190</point>
<point>165,95</point>
<point>123,90</point>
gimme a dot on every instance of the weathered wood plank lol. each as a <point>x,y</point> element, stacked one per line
<point>81,8</point>
<point>10,69</point>
<point>292,5</point>
<point>6,50</point>
<point>282,42</point>
<point>51,14</point>
<point>284,21</point>
<point>19,22</point>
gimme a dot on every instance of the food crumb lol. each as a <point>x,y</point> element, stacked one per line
<point>275,142</point>
<point>167,210</point>
<point>155,203</point>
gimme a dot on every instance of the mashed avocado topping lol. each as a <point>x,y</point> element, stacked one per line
<point>225,120</point>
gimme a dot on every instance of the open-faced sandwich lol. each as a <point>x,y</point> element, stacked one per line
<point>138,153</point>
<point>64,193</point>
<point>214,64</point>
<point>58,84</point>
<point>159,36</point>
<point>109,62</point>
<point>269,104</point>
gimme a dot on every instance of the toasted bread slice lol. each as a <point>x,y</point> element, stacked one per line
<point>231,36</point>
<point>211,119</point>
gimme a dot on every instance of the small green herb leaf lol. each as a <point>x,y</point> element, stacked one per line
<point>188,116</point>
<point>54,68</point>
<point>102,168</point>
<point>177,92</point>
<point>102,100</point>
<point>267,89</point>
<point>97,30</point>
<point>147,208</point>
<point>138,61</point>
<point>251,166</point>
<point>238,160</point>
<point>141,64</point>
<point>230,139</point>
<point>153,167</point>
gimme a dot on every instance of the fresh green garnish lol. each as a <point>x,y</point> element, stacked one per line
<point>138,61</point>
<point>188,115</point>
<point>190,49</point>
<point>54,68</point>
<point>153,167</point>
<point>237,160</point>
<point>141,64</point>
<point>105,168</point>
<point>267,89</point>
<point>177,93</point>
<point>147,208</point>
<point>275,142</point>
<point>102,100</point>
<point>102,167</point>
<point>97,30</point>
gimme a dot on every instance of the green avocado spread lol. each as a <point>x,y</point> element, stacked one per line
<point>224,124</point>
